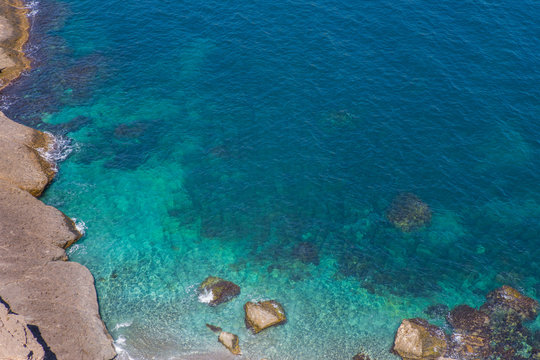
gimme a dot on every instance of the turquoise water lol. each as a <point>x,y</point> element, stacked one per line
<point>263,143</point>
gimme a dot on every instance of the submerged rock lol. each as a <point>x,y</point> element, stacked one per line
<point>407,212</point>
<point>361,356</point>
<point>262,315</point>
<point>437,311</point>
<point>416,339</point>
<point>16,339</point>
<point>307,253</point>
<point>507,299</point>
<point>468,320</point>
<point>214,291</point>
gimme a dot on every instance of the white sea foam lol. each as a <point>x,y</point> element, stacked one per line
<point>76,248</point>
<point>119,345</point>
<point>123,325</point>
<point>58,151</point>
<point>33,8</point>
<point>5,102</point>
<point>206,296</point>
<point>80,225</point>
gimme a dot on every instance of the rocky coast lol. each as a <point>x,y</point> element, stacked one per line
<point>49,307</point>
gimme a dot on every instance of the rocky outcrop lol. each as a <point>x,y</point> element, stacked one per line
<point>214,291</point>
<point>407,212</point>
<point>17,341</point>
<point>21,163</point>
<point>507,299</point>
<point>416,339</point>
<point>13,35</point>
<point>51,293</point>
<point>495,331</point>
<point>262,315</point>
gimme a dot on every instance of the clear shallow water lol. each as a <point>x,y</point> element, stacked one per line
<point>218,139</point>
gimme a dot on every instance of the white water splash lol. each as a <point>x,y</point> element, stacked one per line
<point>33,8</point>
<point>206,296</point>
<point>120,350</point>
<point>58,151</point>
<point>76,248</point>
<point>80,225</point>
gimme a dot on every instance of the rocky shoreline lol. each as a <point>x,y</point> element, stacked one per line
<point>49,307</point>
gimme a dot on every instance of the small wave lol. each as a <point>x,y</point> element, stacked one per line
<point>123,325</point>
<point>119,345</point>
<point>80,225</point>
<point>59,151</point>
<point>33,8</point>
<point>76,248</point>
<point>6,102</point>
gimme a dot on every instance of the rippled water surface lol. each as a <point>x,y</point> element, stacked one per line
<point>264,141</point>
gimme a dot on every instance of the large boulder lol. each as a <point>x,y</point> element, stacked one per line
<point>407,212</point>
<point>214,291</point>
<point>416,339</point>
<point>506,299</point>
<point>16,340</point>
<point>262,315</point>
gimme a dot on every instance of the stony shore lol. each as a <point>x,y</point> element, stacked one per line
<point>49,307</point>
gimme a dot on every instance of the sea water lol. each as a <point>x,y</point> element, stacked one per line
<point>264,141</point>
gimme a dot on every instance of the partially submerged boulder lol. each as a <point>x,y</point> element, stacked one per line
<point>407,212</point>
<point>505,299</point>
<point>416,339</point>
<point>471,337</point>
<point>214,291</point>
<point>229,340</point>
<point>469,320</point>
<point>262,315</point>
<point>16,339</point>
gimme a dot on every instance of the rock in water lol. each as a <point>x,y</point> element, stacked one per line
<point>507,299</point>
<point>16,339</point>
<point>416,339</point>
<point>262,315</point>
<point>471,337</point>
<point>214,291</point>
<point>361,356</point>
<point>307,253</point>
<point>407,212</point>
<point>230,341</point>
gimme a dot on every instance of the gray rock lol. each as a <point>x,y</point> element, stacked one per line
<point>16,338</point>
<point>21,163</point>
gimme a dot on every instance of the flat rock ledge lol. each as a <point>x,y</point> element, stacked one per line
<point>36,280</point>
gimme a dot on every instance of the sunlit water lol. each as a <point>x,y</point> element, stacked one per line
<point>263,142</point>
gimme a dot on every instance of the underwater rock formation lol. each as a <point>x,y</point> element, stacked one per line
<point>416,339</point>
<point>407,212</point>
<point>471,336</point>
<point>262,315</point>
<point>506,299</point>
<point>361,356</point>
<point>307,253</point>
<point>214,291</point>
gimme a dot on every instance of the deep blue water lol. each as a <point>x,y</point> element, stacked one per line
<point>222,138</point>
